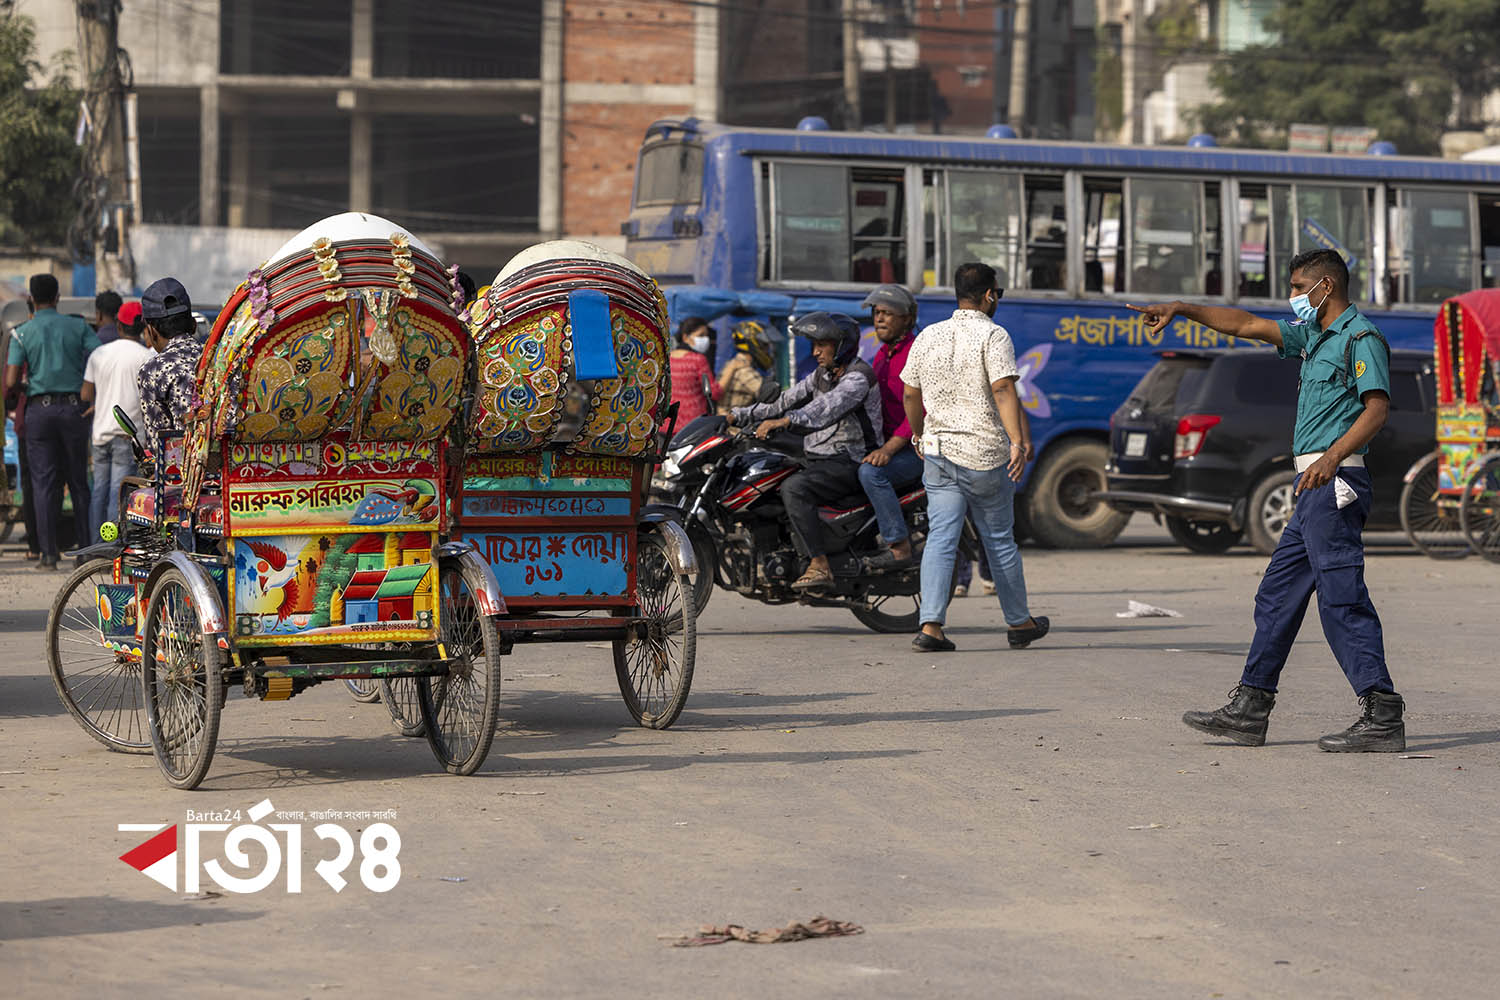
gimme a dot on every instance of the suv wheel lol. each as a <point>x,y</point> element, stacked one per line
<point>1270,508</point>
<point>1062,513</point>
<point>1204,537</point>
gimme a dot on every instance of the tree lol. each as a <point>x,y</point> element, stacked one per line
<point>38,161</point>
<point>1393,65</point>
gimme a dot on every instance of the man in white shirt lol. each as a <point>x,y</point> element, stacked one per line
<point>109,381</point>
<point>961,402</point>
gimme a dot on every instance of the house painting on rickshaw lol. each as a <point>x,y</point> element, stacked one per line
<point>329,584</point>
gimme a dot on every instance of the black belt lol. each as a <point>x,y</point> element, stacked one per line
<point>49,398</point>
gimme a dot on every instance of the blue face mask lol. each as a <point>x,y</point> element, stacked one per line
<point>1305,310</point>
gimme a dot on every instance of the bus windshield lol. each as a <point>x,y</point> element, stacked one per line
<point>671,173</point>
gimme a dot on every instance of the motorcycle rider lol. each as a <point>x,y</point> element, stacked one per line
<point>741,376</point>
<point>840,405</point>
<point>895,465</point>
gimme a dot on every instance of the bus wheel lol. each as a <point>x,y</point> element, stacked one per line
<point>1062,513</point>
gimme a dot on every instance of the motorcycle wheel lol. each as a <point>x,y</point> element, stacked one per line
<point>886,613</point>
<point>706,558</point>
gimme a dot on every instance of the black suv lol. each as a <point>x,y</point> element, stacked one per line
<point>1205,441</point>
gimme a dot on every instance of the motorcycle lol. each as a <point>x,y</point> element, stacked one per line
<point>726,484</point>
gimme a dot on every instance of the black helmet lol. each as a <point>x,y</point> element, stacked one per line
<point>818,326</point>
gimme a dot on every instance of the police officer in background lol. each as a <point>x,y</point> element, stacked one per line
<point>54,349</point>
<point>1342,402</point>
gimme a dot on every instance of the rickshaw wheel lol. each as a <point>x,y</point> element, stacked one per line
<point>460,709</point>
<point>1429,520</point>
<point>399,694</point>
<point>100,688</point>
<point>364,689</point>
<point>1479,513</point>
<point>655,670</point>
<point>182,675</point>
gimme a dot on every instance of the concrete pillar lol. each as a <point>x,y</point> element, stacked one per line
<point>361,127</point>
<point>550,123</point>
<point>240,153</point>
<point>208,155</point>
<point>707,93</point>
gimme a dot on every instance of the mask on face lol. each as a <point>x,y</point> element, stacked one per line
<point>1305,310</point>
<point>699,344</point>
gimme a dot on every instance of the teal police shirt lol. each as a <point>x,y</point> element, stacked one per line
<point>54,348</point>
<point>1326,406</point>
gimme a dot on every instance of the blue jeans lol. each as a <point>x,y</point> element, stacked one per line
<point>113,461</point>
<point>988,496</point>
<point>1321,549</point>
<point>882,483</point>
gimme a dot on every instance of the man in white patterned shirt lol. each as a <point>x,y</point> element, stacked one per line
<point>962,405</point>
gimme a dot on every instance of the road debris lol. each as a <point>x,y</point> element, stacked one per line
<point>817,927</point>
<point>1135,609</point>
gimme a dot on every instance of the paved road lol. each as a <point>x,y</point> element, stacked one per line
<point>1033,824</point>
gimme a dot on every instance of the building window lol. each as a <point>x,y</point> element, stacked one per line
<point>285,37</point>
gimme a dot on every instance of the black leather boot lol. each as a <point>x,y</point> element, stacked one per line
<point>1243,720</point>
<point>1378,730</point>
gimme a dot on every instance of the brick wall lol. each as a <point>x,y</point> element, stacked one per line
<point>600,142</point>
<point>606,41</point>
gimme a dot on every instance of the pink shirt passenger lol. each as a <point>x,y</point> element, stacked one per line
<point>689,368</point>
<point>889,360</point>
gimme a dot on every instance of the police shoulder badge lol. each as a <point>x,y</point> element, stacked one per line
<point>1359,369</point>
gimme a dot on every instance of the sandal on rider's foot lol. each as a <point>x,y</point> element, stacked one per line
<point>812,579</point>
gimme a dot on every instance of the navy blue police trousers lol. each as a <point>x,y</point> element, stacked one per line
<point>1321,550</point>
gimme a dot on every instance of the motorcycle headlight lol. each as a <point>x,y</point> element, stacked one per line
<point>670,468</point>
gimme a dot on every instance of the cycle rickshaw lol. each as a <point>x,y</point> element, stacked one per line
<point>569,415</point>
<point>296,533</point>
<point>1448,506</point>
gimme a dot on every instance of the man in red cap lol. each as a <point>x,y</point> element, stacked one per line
<point>109,381</point>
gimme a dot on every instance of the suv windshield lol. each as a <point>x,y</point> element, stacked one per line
<point>671,173</point>
<point>1171,379</point>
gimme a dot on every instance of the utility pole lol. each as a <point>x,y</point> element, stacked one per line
<point>106,202</point>
<point>853,118</point>
<point>1020,64</point>
<point>890,90</point>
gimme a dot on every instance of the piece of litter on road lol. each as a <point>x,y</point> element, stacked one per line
<point>1135,609</point>
<point>16,772</point>
<point>598,645</point>
<point>520,793</point>
<point>1416,756</point>
<point>524,674</point>
<point>203,895</point>
<point>1148,826</point>
<point>681,822</point>
<point>295,719</point>
<point>789,730</point>
<point>1131,718</point>
<point>452,878</point>
<point>817,927</point>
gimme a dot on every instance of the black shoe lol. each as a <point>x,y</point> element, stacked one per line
<point>1020,638</point>
<point>882,561</point>
<point>1378,730</point>
<point>1243,720</point>
<point>924,643</point>
<point>46,564</point>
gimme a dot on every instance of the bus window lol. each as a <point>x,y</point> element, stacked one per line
<point>1337,218</point>
<point>1430,256</point>
<point>670,174</point>
<point>1489,240</point>
<point>1103,235</point>
<point>877,207</point>
<point>984,219</point>
<point>838,224</point>
<point>1213,241</point>
<point>812,222</point>
<point>1046,233</point>
<point>1166,245</point>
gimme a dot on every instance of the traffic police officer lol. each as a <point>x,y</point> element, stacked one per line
<point>1342,402</point>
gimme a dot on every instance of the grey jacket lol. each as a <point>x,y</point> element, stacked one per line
<point>843,414</point>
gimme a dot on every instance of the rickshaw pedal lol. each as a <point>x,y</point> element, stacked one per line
<point>278,689</point>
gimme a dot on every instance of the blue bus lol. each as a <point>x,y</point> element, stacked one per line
<point>1075,230</point>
